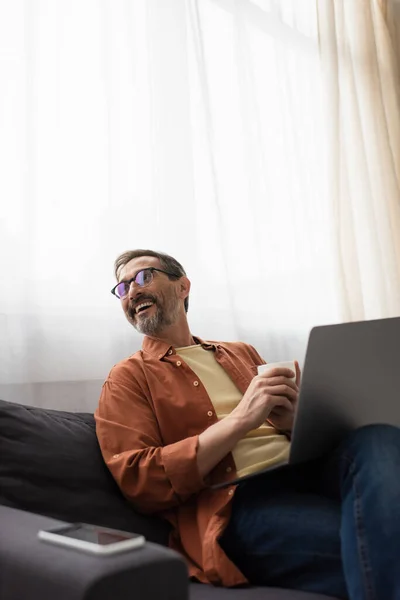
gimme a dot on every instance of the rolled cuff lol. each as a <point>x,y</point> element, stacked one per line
<point>180,463</point>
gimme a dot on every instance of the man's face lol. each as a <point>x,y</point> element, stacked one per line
<point>162,293</point>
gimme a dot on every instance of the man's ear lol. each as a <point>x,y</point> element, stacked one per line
<point>184,287</point>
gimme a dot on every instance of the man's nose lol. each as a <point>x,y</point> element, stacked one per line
<point>133,290</point>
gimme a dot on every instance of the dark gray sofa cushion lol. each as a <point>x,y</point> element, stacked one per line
<point>51,464</point>
<point>207,592</point>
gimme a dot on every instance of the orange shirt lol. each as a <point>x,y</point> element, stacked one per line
<point>151,412</point>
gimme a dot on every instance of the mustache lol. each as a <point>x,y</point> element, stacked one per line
<point>132,307</point>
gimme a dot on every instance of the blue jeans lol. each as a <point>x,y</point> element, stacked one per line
<point>331,526</point>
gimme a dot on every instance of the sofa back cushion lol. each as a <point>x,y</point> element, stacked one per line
<point>51,464</point>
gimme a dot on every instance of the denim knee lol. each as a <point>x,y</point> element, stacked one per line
<point>372,443</point>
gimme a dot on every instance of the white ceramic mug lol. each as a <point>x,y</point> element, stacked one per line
<point>284,364</point>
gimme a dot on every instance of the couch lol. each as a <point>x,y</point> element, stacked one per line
<point>51,471</point>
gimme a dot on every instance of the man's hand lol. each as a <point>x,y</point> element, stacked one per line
<point>270,396</point>
<point>280,418</point>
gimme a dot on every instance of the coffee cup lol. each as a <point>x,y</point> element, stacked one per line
<point>284,364</point>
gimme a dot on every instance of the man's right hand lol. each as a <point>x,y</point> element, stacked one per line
<point>267,391</point>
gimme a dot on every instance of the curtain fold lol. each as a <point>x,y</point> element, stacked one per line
<point>362,102</point>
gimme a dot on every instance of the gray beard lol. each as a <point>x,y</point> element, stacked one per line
<point>156,323</point>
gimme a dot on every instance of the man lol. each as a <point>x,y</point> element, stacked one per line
<point>183,414</point>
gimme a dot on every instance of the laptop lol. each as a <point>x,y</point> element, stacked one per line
<point>351,378</point>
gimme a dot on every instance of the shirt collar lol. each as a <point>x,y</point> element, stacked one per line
<point>160,349</point>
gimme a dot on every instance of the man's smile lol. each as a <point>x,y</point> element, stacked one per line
<point>143,307</point>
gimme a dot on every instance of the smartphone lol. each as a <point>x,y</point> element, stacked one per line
<point>92,539</point>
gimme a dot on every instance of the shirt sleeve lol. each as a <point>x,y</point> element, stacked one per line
<point>256,358</point>
<point>153,476</point>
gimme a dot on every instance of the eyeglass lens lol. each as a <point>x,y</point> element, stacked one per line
<point>142,278</point>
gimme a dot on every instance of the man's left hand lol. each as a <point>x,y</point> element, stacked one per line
<point>279,417</point>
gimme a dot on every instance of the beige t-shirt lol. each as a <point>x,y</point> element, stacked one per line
<point>261,447</point>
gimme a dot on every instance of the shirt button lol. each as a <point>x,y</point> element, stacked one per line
<point>116,456</point>
<point>210,413</point>
<point>169,351</point>
<point>178,364</point>
<point>230,493</point>
<point>228,469</point>
<point>195,383</point>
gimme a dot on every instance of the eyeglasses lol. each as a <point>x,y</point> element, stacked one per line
<point>143,278</point>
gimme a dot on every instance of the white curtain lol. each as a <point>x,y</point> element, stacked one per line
<point>361,80</point>
<point>190,127</point>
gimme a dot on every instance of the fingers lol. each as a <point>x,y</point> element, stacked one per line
<point>273,381</point>
<point>283,390</point>
<point>278,372</point>
<point>280,403</point>
<point>283,375</point>
<point>279,382</point>
<point>298,372</point>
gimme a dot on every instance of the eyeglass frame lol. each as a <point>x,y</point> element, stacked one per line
<point>129,281</point>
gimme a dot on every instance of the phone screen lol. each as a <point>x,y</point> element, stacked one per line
<point>95,535</point>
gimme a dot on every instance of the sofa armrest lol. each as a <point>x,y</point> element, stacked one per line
<point>32,569</point>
